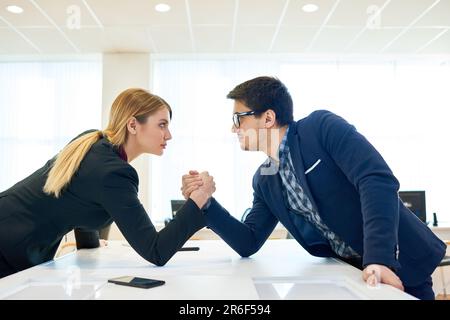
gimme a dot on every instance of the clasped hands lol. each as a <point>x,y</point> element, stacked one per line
<point>198,186</point>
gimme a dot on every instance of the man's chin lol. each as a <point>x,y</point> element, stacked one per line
<point>245,148</point>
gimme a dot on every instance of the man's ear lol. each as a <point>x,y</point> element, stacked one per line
<point>271,118</point>
<point>131,125</point>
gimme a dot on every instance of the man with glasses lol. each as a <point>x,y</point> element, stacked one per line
<point>329,187</point>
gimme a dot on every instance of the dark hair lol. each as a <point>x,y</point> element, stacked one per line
<point>264,93</point>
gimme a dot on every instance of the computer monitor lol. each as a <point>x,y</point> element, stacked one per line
<point>176,205</point>
<point>415,201</point>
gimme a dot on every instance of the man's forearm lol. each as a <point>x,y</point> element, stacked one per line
<point>236,234</point>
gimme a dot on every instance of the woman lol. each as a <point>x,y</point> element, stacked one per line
<point>90,184</point>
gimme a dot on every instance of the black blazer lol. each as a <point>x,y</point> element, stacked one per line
<point>103,190</point>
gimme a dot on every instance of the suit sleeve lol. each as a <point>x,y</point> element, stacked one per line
<point>246,237</point>
<point>120,199</point>
<point>376,184</point>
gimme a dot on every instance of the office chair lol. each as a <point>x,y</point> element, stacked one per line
<point>103,235</point>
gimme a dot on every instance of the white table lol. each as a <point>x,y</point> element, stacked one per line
<point>282,269</point>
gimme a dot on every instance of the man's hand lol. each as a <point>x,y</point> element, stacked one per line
<point>190,182</point>
<point>201,194</point>
<point>376,273</point>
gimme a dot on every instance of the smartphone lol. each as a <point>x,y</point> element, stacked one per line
<point>189,249</point>
<point>137,282</point>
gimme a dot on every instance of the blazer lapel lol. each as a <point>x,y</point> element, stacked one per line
<point>297,160</point>
<point>272,187</point>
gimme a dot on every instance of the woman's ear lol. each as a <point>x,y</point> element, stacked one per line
<point>270,119</point>
<point>131,125</point>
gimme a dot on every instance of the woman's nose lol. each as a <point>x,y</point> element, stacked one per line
<point>169,135</point>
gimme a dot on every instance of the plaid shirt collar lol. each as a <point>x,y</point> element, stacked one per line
<point>283,151</point>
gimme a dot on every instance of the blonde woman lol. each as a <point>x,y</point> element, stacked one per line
<point>91,184</point>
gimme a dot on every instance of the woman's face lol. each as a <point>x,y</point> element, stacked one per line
<point>152,136</point>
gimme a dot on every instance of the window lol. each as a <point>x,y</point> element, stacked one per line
<point>43,105</point>
<point>398,106</point>
<point>201,129</point>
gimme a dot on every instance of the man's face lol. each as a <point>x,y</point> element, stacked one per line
<point>248,131</point>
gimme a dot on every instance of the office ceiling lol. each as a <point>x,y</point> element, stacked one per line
<point>226,26</point>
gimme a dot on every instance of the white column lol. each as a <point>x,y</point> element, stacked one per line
<point>122,71</point>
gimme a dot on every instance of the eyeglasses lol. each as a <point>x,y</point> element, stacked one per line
<point>238,115</point>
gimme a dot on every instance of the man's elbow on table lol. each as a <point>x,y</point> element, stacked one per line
<point>246,252</point>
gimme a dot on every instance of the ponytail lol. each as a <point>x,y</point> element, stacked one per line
<point>68,161</point>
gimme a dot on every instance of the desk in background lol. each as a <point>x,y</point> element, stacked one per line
<point>442,231</point>
<point>282,269</point>
<point>441,273</point>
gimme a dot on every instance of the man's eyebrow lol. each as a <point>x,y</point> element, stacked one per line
<point>164,120</point>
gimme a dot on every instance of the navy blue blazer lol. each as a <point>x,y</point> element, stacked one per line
<point>355,193</point>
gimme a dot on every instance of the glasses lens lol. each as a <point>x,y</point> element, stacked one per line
<point>236,120</point>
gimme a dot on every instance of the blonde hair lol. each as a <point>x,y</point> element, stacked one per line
<point>133,102</point>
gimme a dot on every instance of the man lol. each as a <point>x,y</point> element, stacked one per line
<point>329,187</point>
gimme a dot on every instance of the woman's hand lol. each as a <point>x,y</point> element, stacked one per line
<point>201,194</point>
<point>190,182</point>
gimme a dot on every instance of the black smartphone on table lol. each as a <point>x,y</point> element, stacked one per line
<point>189,249</point>
<point>137,282</point>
